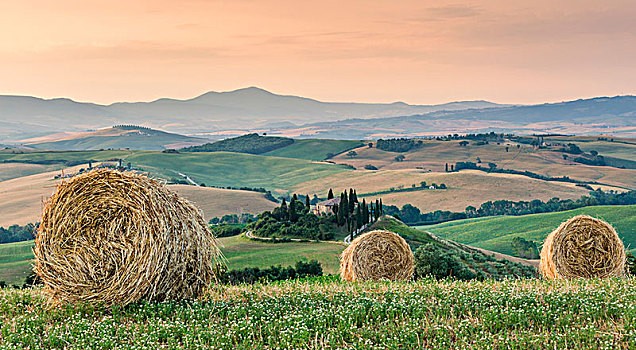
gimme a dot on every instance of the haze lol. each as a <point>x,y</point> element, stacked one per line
<point>364,51</point>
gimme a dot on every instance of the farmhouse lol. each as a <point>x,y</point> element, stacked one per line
<point>326,207</point>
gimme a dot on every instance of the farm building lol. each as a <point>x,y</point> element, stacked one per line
<point>326,207</point>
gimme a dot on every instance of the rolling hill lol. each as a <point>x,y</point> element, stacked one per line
<point>616,115</point>
<point>23,198</point>
<point>496,233</point>
<point>245,109</point>
<point>116,137</point>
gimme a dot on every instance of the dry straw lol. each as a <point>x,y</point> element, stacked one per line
<point>377,255</point>
<point>582,247</point>
<point>113,237</point>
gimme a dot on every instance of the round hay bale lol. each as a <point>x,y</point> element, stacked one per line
<point>582,247</point>
<point>377,255</point>
<point>110,237</point>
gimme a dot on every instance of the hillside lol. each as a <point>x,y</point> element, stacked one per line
<point>496,233</point>
<point>249,143</point>
<point>116,137</point>
<point>314,149</point>
<point>23,198</point>
<point>433,155</point>
<point>481,263</point>
<point>615,115</point>
<point>245,109</point>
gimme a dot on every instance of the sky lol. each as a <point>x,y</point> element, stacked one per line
<point>419,52</point>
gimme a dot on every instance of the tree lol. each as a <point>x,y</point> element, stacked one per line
<point>292,210</point>
<point>330,195</point>
<point>423,184</point>
<point>359,219</point>
<point>594,153</point>
<point>352,200</point>
<point>370,144</point>
<point>352,154</point>
<point>446,167</point>
<point>307,201</point>
<point>463,143</point>
<point>565,157</point>
<point>507,148</point>
<point>399,158</point>
<point>452,167</point>
<point>492,166</point>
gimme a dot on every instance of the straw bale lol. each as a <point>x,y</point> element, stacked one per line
<point>377,255</point>
<point>110,237</point>
<point>582,247</point>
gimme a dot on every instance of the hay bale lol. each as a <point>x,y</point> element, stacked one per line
<point>113,237</point>
<point>377,255</point>
<point>582,247</point>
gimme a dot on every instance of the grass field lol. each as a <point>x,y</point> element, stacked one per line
<point>240,253</point>
<point>324,313</point>
<point>23,198</point>
<point>314,149</point>
<point>465,188</point>
<point>14,262</point>
<point>496,233</point>
<point>434,155</point>
<point>235,169</point>
<point>216,202</point>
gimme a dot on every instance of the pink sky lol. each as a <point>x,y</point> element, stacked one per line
<point>366,51</point>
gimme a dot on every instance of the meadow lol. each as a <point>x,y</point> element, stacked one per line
<point>496,232</point>
<point>240,252</point>
<point>314,149</point>
<point>324,313</point>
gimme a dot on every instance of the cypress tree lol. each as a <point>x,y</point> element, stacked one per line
<point>292,210</point>
<point>352,203</point>
<point>381,207</point>
<point>294,197</point>
<point>307,204</point>
<point>365,212</point>
<point>330,195</point>
<point>377,209</point>
<point>359,219</point>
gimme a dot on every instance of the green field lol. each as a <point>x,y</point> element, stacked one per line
<point>314,149</point>
<point>240,253</point>
<point>235,169</point>
<point>14,262</point>
<point>323,313</point>
<point>211,168</point>
<point>496,233</point>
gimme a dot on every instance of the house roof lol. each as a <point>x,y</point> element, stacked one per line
<point>330,202</point>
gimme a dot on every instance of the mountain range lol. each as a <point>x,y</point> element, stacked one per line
<point>249,108</point>
<point>222,114</point>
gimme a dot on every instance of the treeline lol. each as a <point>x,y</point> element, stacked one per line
<point>250,143</point>
<point>17,233</point>
<point>492,168</point>
<point>414,187</point>
<point>412,215</point>
<point>252,275</point>
<point>491,136</point>
<point>397,145</point>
